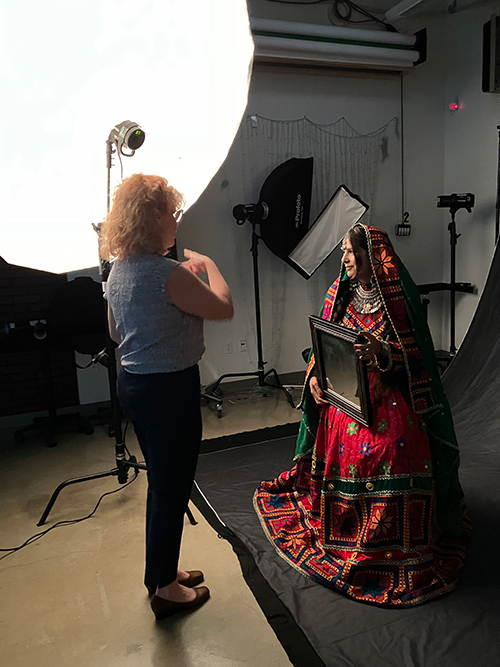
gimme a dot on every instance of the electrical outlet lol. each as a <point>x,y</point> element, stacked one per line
<point>243,346</point>
<point>228,347</point>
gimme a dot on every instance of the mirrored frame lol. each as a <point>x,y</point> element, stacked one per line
<point>342,376</point>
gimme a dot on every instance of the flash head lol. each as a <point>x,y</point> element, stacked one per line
<point>127,134</point>
<point>456,201</point>
<point>251,212</point>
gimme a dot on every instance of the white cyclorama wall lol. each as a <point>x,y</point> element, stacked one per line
<point>64,89</point>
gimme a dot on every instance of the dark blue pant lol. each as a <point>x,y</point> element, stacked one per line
<point>165,411</point>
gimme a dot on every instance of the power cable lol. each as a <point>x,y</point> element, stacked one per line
<point>344,9</point>
<point>69,522</point>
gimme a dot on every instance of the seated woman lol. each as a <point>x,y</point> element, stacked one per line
<point>376,512</point>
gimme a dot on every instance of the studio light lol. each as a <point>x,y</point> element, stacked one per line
<point>457,201</point>
<point>283,214</point>
<point>250,212</point>
<point>127,134</point>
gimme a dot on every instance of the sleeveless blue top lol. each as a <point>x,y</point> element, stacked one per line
<point>157,337</point>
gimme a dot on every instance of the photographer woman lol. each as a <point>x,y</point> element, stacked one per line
<point>156,308</point>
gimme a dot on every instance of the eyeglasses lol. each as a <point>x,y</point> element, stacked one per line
<point>178,215</point>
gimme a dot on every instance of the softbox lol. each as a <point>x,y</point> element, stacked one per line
<point>342,212</point>
<point>286,197</point>
<point>287,194</point>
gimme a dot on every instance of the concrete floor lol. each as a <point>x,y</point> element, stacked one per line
<point>75,597</point>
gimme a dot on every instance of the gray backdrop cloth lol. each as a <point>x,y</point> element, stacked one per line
<point>458,630</point>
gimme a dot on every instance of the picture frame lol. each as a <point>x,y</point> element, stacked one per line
<point>342,376</point>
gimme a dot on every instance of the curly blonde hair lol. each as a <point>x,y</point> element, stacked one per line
<point>136,223</point>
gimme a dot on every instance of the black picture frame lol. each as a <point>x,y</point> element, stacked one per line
<point>342,376</point>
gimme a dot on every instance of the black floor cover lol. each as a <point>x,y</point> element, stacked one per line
<point>317,626</point>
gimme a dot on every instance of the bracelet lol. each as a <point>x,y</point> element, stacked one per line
<point>383,361</point>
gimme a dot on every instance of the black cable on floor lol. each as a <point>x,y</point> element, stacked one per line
<point>38,536</point>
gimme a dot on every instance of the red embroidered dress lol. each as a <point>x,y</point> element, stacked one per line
<point>357,513</point>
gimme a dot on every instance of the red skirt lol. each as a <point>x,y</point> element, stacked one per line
<point>358,514</point>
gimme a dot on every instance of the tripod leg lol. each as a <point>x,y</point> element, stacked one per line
<point>278,385</point>
<point>75,480</point>
<point>213,388</point>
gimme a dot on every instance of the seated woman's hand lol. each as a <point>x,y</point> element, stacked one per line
<point>195,262</point>
<point>316,391</point>
<point>370,349</point>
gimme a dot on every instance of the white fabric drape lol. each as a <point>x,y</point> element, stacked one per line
<point>341,156</point>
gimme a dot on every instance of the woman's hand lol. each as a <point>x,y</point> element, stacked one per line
<point>196,262</point>
<point>369,350</point>
<point>316,391</point>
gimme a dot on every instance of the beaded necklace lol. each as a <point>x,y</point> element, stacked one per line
<point>365,300</point>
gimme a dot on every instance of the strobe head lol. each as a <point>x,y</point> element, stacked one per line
<point>127,134</point>
<point>457,201</point>
<point>251,212</point>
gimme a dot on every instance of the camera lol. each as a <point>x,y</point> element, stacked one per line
<point>456,201</point>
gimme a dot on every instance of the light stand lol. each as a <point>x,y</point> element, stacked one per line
<point>454,202</point>
<point>452,228</point>
<point>129,135</point>
<point>254,214</point>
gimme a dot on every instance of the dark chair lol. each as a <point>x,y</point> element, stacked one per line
<point>75,319</point>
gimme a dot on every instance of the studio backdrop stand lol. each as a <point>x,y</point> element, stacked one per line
<point>254,215</point>
<point>131,136</point>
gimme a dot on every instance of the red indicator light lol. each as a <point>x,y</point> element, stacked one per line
<point>453,106</point>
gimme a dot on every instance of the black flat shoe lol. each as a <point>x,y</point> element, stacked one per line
<point>196,577</point>
<point>164,608</point>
